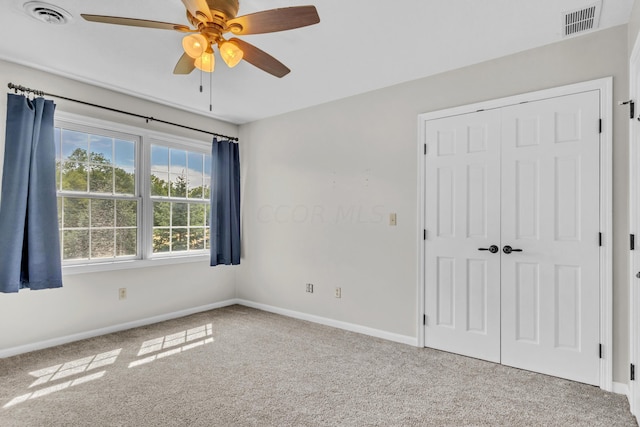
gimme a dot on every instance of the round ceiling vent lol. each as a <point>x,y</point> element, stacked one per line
<point>47,12</point>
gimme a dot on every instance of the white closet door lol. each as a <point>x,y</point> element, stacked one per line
<point>462,214</point>
<point>550,210</point>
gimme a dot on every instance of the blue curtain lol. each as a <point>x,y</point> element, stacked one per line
<point>225,203</point>
<point>30,255</point>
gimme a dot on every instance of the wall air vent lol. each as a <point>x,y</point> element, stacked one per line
<point>581,20</point>
<point>47,13</point>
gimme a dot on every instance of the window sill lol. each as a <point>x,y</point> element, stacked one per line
<point>71,270</point>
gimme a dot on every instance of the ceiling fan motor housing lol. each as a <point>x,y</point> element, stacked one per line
<point>228,7</point>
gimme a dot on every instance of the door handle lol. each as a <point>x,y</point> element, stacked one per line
<point>493,249</point>
<point>508,249</point>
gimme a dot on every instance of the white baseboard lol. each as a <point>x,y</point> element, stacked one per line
<point>110,329</point>
<point>403,339</point>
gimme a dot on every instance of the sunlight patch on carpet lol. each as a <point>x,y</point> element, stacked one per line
<point>173,344</point>
<point>65,370</point>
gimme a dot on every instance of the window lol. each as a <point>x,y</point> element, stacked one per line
<point>97,201</point>
<point>123,196</point>
<point>180,188</point>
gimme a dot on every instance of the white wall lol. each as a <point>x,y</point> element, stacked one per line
<point>320,183</point>
<point>90,301</point>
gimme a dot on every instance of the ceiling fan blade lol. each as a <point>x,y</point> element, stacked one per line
<point>261,59</point>
<point>132,22</point>
<point>274,20</point>
<point>199,9</point>
<point>185,65</point>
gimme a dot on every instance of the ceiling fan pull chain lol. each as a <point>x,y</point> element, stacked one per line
<point>210,91</point>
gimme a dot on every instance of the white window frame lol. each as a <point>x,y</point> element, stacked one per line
<point>146,137</point>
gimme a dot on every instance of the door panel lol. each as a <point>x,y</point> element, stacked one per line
<point>462,215</point>
<point>550,209</point>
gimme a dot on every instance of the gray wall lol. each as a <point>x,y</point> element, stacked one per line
<point>90,301</point>
<point>320,183</point>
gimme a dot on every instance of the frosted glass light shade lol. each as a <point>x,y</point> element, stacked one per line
<point>206,62</point>
<point>231,54</point>
<point>195,45</point>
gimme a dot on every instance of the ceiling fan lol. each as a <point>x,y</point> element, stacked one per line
<point>212,19</point>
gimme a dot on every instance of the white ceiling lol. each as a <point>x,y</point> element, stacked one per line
<point>358,46</point>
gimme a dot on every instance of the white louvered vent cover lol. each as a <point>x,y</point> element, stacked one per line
<point>578,21</point>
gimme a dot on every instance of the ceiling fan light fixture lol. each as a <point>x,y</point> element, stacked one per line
<point>206,62</point>
<point>195,45</point>
<point>230,53</point>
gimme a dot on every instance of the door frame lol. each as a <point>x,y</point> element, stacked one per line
<point>634,226</point>
<point>605,86</point>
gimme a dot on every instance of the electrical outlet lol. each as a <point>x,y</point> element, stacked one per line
<point>393,220</point>
<point>338,293</point>
<point>310,288</point>
<point>122,293</point>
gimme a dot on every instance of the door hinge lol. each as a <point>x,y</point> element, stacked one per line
<point>632,242</point>
<point>633,372</point>
<point>424,234</point>
<point>600,126</point>
<point>632,108</point>
<point>599,239</point>
<point>425,149</point>
<point>424,319</point>
<point>600,351</point>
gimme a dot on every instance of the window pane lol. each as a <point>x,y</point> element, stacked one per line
<point>195,175</point>
<point>101,149</point>
<point>207,240</point>
<point>74,176</point>
<point>160,184</point>
<point>207,165</point>
<point>161,240</point>
<point>126,242</point>
<point>58,175</point>
<point>101,179</point>
<point>75,212</point>
<point>178,186</point>
<point>74,145</point>
<point>102,243</point>
<point>102,212</point>
<point>162,214</point>
<point>179,239</point>
<point>207,176</point>
<point>179,216</point>
<point>126,213</point>
<point>196,163</point>
<point>125,153</point>
<point>178,161</point>
<point>159,158</point>
<point>208,215</point>
<point>59,204</point>
<point>125,181</point>
<point>75,244</point>
<point>196,239</point>
<point>196,215</point>
<point>58,143</point>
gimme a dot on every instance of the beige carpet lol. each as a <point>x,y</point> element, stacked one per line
<point>242,367</point>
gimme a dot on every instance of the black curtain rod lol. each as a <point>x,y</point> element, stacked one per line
<point>18,88</point>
